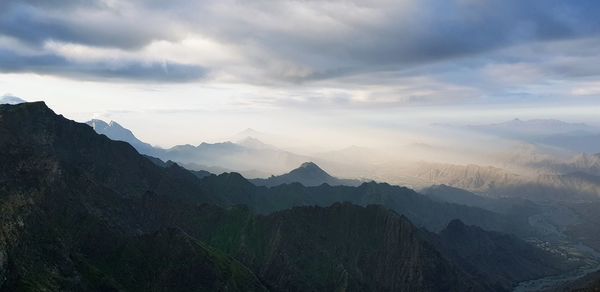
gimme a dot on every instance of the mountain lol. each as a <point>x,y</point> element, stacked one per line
<point>334,247</point>
<point>83,212</point>
<point>338,248</point>
<point>509,206</point>
<point>421,210</point>
<point>450,194</point>
<point>308,174</point>
<point>158,162</point>
<point>117,132</point>
<point>588,283</point>
<point>9,99</point>
<point>500,258</point>
<point>247,156</point>
<point>495,182</point>
<point>585,230</point>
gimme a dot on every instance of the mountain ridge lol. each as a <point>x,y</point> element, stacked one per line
<point>84,212</point>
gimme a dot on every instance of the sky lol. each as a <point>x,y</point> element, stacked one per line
<point>187,71</point>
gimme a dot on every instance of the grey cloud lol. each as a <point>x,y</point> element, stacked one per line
<point>308,41</point>
<point>124,70</point>
<point>35,25</point>
<point>328,39</point>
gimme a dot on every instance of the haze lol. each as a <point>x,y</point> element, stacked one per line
<point>299,145</point>
<point>335,73</point>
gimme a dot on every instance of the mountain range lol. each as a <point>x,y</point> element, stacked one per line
<point>576,179</point>
<point>83,212</point>
<point>249,155</point>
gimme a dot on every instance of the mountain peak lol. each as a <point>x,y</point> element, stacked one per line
<point>98,124</point>
<point>38,107</point>
<point>115,124</point>
<point>308,174</point>
<point>115,131</point>
<point>312,170</point>
<point>309,170</point>
<point>310,165</point>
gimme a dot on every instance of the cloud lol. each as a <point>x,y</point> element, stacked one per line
<point>10,99</point>
<point>11,62</point>
<point>322,39</point>
<point>465,49</point>
<point>91,25</point>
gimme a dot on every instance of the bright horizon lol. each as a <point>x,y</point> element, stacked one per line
<point>336,73</point>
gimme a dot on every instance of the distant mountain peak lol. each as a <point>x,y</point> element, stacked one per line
<point>115,124</point>
<point>308,174</point>
<point>97,124</point>
<point>115,131</point>
<point>311,169</point>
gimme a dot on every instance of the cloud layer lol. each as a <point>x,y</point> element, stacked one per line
<point>336,53</point>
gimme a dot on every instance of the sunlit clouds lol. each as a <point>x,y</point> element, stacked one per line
<point>303,64</point>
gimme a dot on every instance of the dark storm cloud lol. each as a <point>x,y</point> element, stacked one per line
<point>127,70</point>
